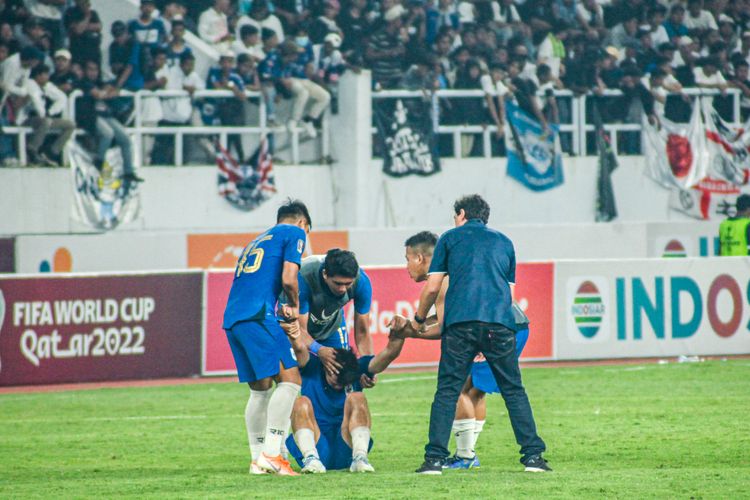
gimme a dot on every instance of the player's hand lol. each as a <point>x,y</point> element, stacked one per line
<point>291,329</point>
<point>327,356</point>
<point>367,382</point>
<point>419,328</point>
<point>289,313</point>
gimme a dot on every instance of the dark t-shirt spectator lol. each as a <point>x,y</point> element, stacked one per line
<point>130,53</point>
<point>355,31</point>
<point>88,108</point>
<point>62,80</point>
<point>386,70</point>
<point>84,46</point>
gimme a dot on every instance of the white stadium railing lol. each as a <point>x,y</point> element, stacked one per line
<point>576,129</point>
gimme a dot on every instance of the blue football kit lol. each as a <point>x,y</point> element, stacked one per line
<point>257,341</point>
<point>328,405</point>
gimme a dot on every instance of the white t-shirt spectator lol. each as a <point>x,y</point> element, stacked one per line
<point>592,18</point>
<point>660,91</point>
<point>701,78</point>
<point>505,16</point>
<point>254,51</point>
<point>465,12</point>
<point>490,87</point>
<point>212,26</point>
<point>38,97</point>
<point>704,21</point>
<point>14,76</point>
<point>659,36</point>
<point>271,22</point>
<point>179,109</point>
<point>546,55</point>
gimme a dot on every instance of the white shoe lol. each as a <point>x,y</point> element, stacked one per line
<point>313,465</point>
<point>255,469</point>
<point>361,464</point>
<point>309,129</point>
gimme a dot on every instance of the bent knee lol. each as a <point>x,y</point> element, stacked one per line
<point>356,399</point>
<point>303,404</point>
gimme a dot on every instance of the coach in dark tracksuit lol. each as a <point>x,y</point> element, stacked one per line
<point>481,264</point>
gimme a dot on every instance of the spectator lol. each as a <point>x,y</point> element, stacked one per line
<point>646,55</point>
<point>249,43</point>
<point>624,33</point>
<point>64,78</point>
<point>742,82</point>
<point>655,84</point>
<point>524,92</point>
<point>414,24</point>
<point>547,85</point>
<point>146,29</point>
<point>565,14</point>
<point>675,26</point>
<point>177,46</point>
<point>728,33</point>
<point>328,63</point>
<point>527,68</point>
<point>445,16</point>
<point>155,78</point>
<point>177,111</point>
<point>697,20</point>
<point>260,17</point>
<point>93,114</point>
<point>84,29</point>
<point>386,50</point>
<point>356,26</point>
<point>42,113</point>
<point>8,38</point>
<point>291,13</point>
<point>127,59</point>
<point>421,75</point>
<point>707,76</point>
<point>659,33</point>
<point>590,16</point>
<point>49,13</point>
<point>684,62</point>
<point>32,34</point>
<point>213,27</point>
<point>13,12</point>
<point>743,53</point>
<point>552,50</point>
<point>294,77</point>
<point>325,23</point>
<point>636,100</point>
<point>224,77</point>
<point>443,52</point>
<point>176,11</point>
<point>247,70</point>
<point>269,71</point>
<point>495,92</point>
<point>15,72</point>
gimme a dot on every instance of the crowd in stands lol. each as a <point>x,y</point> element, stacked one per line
<point>298,49</point>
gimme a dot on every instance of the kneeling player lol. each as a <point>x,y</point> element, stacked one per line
<point>331,420</point>
<point>471,409</point>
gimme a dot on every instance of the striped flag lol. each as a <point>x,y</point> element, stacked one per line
<point>246,185</point>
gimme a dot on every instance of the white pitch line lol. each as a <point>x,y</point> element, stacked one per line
<point>407,379</point>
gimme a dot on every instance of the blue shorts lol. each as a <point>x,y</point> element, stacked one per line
<point>258,347</point>
<point>332,449</point>
<point>481,374</point>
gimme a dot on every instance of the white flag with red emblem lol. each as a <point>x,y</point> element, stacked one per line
<point>728,148</point>
<point>676,153</point>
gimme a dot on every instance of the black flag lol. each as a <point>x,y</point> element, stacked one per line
<point>606,208</point>
<point>406,136</point>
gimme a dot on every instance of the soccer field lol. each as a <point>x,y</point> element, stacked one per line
<point>676,430</point>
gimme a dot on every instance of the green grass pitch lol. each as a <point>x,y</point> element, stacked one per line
<point>666,431</point>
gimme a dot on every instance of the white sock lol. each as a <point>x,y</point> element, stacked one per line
<point>284,449</point>
<point>255,420</point>
<point>305,439</point>
<point>464,431</point>
<point>360,440</point>
<point>478,426</point>
<point>279,411</point>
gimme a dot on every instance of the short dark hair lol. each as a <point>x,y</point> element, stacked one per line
<point>423,242</point>
<point>658,73</point>
<point>156,51</point>
<point>349,372</point>
<point>340,262</point>
<point>177,23</point>
<point>39,69</point>
<point>267,33</point>
<point>248,30</point>
<point>740,64</point>
<point>474,207</point>
<point>543,71</point>
<point>293,209</point>
<point>243,58</point>
<point>743,202</point>
<point>186,56</point>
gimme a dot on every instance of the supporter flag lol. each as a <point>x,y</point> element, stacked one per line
<point>728,148</point>
<point>101,199</point>
<point>406,136</point>
<point>709,199</point>
<point>676,154</point>
<point>534,159</point>
<point>606,207</point>
<point>246,186</point>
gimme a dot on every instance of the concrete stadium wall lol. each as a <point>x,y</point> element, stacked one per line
<point>162,250</point>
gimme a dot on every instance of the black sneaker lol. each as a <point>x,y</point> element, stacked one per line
<point>536,463</point>
<point>432,467</point>
<point>131,178</point>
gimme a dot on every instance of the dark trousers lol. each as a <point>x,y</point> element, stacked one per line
<point>459,346</point>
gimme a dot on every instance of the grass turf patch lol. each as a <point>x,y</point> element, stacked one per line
<point>676,430</point>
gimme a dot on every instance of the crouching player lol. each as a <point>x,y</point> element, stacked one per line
<point>331,420</point>
<point>471,409</point>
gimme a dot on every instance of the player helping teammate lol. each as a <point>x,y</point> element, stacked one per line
<point>261,350</point>
<point>326,284</point>
<point>331,420</point>
<point>471,409</point>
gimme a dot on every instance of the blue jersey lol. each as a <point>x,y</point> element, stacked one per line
<point>327,402</point>
<point>216,77</point>
<point>257,277</point>
<point>153,34</point>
